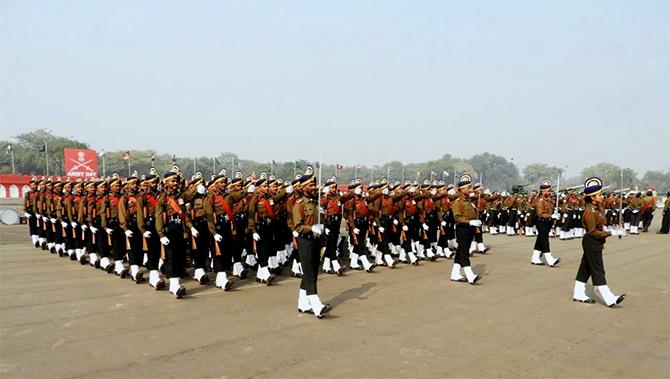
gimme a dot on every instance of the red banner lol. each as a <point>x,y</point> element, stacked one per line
<point>81,163</point>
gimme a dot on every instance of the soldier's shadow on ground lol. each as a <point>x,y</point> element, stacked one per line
<point>352,293</point>
<point>480,269</point>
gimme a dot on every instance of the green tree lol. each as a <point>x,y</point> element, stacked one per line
<point>658,179</point>
<point>534,173</point>
<point>611,175</point>
<point>498,173</point>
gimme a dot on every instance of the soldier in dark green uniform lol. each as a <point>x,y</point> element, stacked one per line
<point>305,220</point>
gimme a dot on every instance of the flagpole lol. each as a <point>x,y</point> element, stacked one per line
<point>232,165</point>
<point>214,165</point>
<point>388,174</point>
<point>128,165</point>
<point>46,157</point>
<point>318,190</point>
<point>11,153</point>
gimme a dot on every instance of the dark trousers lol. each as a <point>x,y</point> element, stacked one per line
<point>264,247</point>
<point>175,251</point>
<point>362,225</point>
<point>635,218</point>
<point>333,225</point>
<point>153,248</point>
<point>32,224</point>
<point>200,251</point>
<point>542,240</point>
<point>647,216</point>
<point>222,253</point>
<point>464,235</point>
<point>387,224</point>
<point>135,255</point>
<point>592,262</point>
<point>118,239</point>
<point>665,224</point>
<point>309,250</point>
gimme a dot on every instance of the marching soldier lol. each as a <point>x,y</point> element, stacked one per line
<point>665,224</point>
<point>305,216</point>
<point>221,223</point>
<point>593,243</point>
<point>171,221</point>
<point>383,216</point>
<point>544,208</point>
<point>331,203</point>
<point>128,205</point>
<point>103,243</point>
<point>116,239</point>
<point>466,219</point>
<point>85,217</point>
<point>358,222</point>
<point>29,208</point>
<point>295,193</point>
<point>200,235</point>
<point>147,202</point>
<point>240,219</point>
<point>261,217</point>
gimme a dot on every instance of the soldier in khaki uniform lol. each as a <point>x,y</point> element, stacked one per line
<point>147,201</point>
<point>128,204</point>
<point>305,219</point>
<point>29,211</point>
<point>593,243</point>
<point>295,193</point>
<point>544,208</point>
<point>200,236</point>
<point>466,219</point>
<point>112,226</point>
<point>260,220</point>
<point>665,223</point>
<point>357,214</point>
<point>331,203</point>
<point>172,222</point>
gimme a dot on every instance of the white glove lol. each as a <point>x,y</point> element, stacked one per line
<point>38,215</point>
<point>475,223</point>
<point>381,229</point>
<point>251,189</point>
<point>325,190</point>
<point>327,231</point>
<point>165,241</point>
<point>200,188</point>
<point>635,211</point>
<point>358,190</point>
<point>556,216</point>
<point>74,224</point>
<point>53,220</point>
<point>317,229</point>
<point>395,222</point>
<point>194,232</point>
<point>128,233</point>
<point>84,227</point>
<point>64,224</point>
<point>27,215</point>
<point>405,228</point>
<point>289,189</point>
<point>374,224</point>
<point>45,219</point>
<point>94,229</point>
<point>425,227</point>
<point>295,234</point>
<point>218,238</point>
<point>356,231</point>
<point>147,234</point>
<point>256,237</point>
<point>109,231</point>
<point>443,223</point>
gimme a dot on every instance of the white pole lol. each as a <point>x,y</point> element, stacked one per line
<point>103,163</point>
<point>11,153</point>
<point>318,189</point>
<point>46,156</point>
<point>214,165</point>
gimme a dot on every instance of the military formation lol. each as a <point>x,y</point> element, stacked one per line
<point>236,226</point>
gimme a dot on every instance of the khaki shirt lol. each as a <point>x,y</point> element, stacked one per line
<point>463,210</point>
<point>594,220</point>
<point>305,214</point>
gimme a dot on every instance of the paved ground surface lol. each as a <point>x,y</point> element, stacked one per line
<point>59,319</point>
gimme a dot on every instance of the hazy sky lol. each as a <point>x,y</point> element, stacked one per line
<point>562,82</point>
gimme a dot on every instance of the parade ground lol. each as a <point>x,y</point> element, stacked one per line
<point>59,319</point>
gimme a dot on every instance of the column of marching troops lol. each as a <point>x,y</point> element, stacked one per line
<point>231,225</point>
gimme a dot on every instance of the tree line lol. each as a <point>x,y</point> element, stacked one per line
<point>494,171</point>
